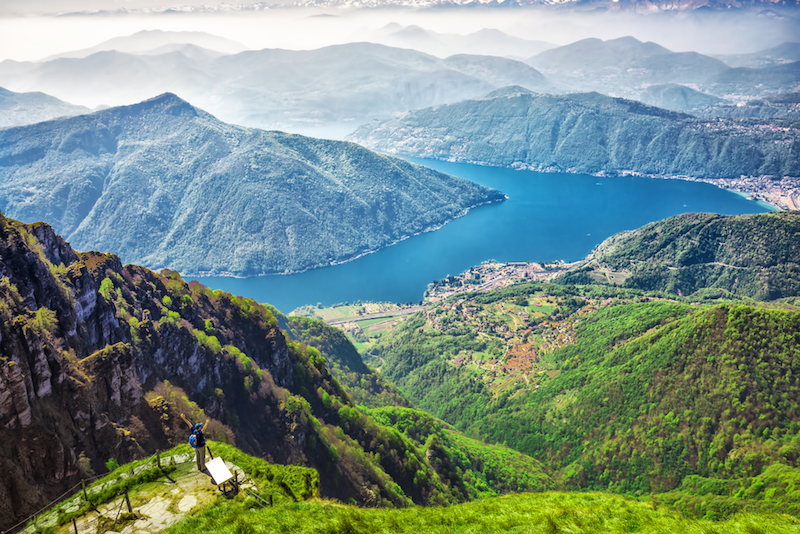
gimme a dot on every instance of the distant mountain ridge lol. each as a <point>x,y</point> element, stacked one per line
<point>276,88</point>
<point>587,133</point>
<point>163,183</point>
<point>17,109</point>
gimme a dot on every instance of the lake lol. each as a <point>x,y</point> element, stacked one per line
<point>547,217</point>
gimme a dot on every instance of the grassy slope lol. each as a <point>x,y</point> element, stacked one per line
<point>540,513</point>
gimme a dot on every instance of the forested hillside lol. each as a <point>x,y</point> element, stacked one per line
<point>754,256</point>
<point>164,184</point>
<point>641,394</point>
<point>587,133</point>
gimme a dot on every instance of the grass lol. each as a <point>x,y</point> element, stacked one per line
<point>536,513</point>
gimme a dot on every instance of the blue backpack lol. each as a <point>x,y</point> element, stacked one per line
<point>197,439</point>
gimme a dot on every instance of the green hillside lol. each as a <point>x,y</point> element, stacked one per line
<point>752,256</point>
<point>367,387</point>
<point>643,393</point>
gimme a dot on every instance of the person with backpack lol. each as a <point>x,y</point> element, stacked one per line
<point>198,442</point>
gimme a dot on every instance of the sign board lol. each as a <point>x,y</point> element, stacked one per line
<point>219,471</point>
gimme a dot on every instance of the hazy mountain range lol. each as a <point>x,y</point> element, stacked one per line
<point>587,133</point>
<point>276,88</point>
<point>164,184</point>
<point>343,86</point>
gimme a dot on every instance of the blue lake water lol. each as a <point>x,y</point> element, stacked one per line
<point>547,217</point>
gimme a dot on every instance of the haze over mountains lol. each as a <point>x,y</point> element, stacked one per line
<point>342,86</point>
<point>163,183</point>
<point>276,88</point>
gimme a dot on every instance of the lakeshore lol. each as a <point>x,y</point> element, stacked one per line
<point>548,217</point>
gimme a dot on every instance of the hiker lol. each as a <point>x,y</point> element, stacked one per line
<point>198,441</point>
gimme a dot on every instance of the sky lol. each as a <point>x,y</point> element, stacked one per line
<point>35,29</point>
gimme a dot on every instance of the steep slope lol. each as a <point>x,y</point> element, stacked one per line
<point>17,109</point>
<point>165,184</point>
<point>587,133</point>
<point>99,360</point>
<point>367,387</point>
<point>754,256</point>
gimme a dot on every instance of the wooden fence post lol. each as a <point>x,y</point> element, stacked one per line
<point>75,524</point>
<point>83,485</point>
<point>128,502</point>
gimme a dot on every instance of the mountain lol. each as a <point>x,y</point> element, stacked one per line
<point>146,41</point>
<point>109,78</point>
<point>163,183</point>
<point>99,360</point>
<point>677,98</point>
<point>272,88</point>
<point>617,389</point>
<point>368,387</point>
<point>586,133</point>
<point>752,256</point>
<point>17,109</point>
<point>622,66</point>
